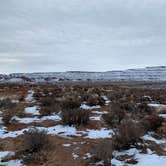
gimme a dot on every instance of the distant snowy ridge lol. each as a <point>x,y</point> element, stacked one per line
<point>143,74</point>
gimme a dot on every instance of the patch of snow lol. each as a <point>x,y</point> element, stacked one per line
<point>107,101</point>
<point>14,163</point>
<point>6,153</point>
<point>149,159</point>
<point>66,145</point>
<point>10,162</point>
<point>26,120</point>
<point>154,105</point>
<point>86,107</point>
<point>51,117</point>
<point>87,156</point>
<point>162,115</point>
<point>117,162</point>
<point>60,130</point>
<point>12,134</point>
<point>97,118</point>
<point>98,134</point>
<point>15,101</point>
<point>36,119</point>
<point>75,156</point>
<point>54,130</point>
<point>32,110</point>
<point>100,113</point>
<point>150,138</point>
<point>100,163</point>
<point>29,98</point>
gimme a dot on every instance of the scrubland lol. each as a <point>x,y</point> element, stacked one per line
<point>82,124</point>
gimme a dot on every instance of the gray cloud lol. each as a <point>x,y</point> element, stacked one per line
<point>60,35</point>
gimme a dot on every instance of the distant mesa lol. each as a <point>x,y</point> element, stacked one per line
<point>154,74</point>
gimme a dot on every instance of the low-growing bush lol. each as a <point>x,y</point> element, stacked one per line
<point>144,109</point>
<point>95,100</point>
<point>6,104</point>
<point>152,122</point>
<point>35,147</point>
<point>115,115</point>
<point>71,103</point>
<point>128,133</point>
<point>7,116</point>
<point>48,110</point>
<point>75,117</point>
<point>46,101</point>
<point>103,151</point>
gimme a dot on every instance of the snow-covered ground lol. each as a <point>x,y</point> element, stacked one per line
<point>28,120</point>
<point>150,138</point>
<point>32,110</point>
<point>60,130</point>
<point>98,134</point>
<point>149,159</point>
<point>107,101</point>
<point>29,98</point>
<point>10,162</point>
<point>86,107</point>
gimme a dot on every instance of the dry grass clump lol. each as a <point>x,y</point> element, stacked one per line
<point>35,147</point>
<point>75,117</point>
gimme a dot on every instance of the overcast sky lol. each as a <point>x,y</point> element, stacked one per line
<point>95,35</point>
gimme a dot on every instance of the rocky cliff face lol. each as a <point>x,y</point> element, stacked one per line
<point>143,74</point>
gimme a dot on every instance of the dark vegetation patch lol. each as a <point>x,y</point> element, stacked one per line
<point>35,147</point>
<point>75,117</point>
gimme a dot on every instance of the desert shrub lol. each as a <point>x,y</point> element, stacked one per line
<point>75,117</point>
<point>128,133</point>
<point>95,100</point>
<point>115,116</point>
<point>144,109</point>
<point>34,147</point>
<point>7,116</point>
<point>37,95</point>
<point>48,110</point>
<point>6,104</point>
<point>103,151</point>
<point>126,106</point>
<point>46,101</point>
<point>8,110</point>
<point>70,103</point>
<point>152,122</point>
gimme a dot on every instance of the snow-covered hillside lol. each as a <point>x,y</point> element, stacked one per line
<point>142,74</point>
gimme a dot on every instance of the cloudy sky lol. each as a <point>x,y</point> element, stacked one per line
<point>95,35</point>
